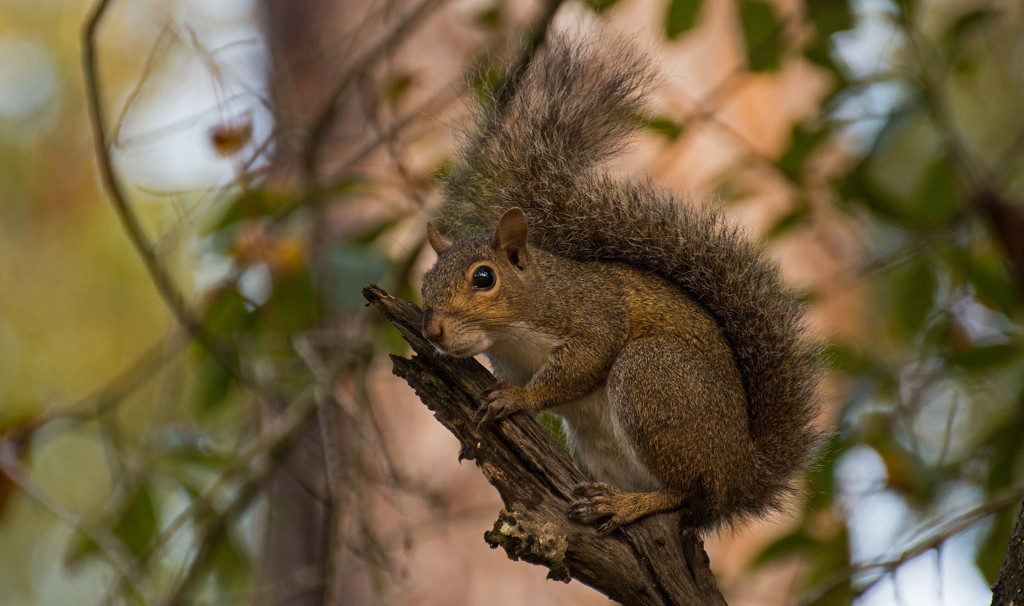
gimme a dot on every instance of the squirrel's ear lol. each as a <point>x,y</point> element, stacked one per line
<point>510,236</point>
<point>438,242</point>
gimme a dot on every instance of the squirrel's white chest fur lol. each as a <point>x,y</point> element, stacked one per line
<point>596,438</point>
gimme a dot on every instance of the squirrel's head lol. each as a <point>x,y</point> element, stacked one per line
<point>477,288</point>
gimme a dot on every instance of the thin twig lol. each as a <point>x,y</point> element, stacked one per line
<point>128,568</point>
<point>376,558</point>
<point>933,540</point>
<point>327,407</point>
<point>161,278</point>
<point>147,70</point>
<point>257,465</point>
<point>436,103</point>
<point>322,123</point>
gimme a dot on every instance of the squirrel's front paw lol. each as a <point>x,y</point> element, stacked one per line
<point>500,401</point>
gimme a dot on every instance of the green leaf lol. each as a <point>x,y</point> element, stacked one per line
<point>798,216</point>
<point>1004,445</point>
<point>352,268</point>
<point>294,304</point>
<point>992,553</point>
<point>821,476</point>
<point>250,204</point>
<point>681,16</point>
<point>825,560</point>
<point>665,127</point>
<point>763,34</point>
<point>346,186</point>
<point>793,543</point>
<point>906,178</point>
<point>993,284</point>
<point>491,18</point>
<point>138,524</point>
<point>936,333</point>
<point>936,199</point>
<point>554,426</point>
<point>803,141</point>
<point>213,385</point>
<point>913,286</point>
<point>227,312</point>
<point>987,356</point>
<point>907,9</point>
<point>839,356</point>
<point>601,5</point>
<point>80,549</point>
<point>829,16</point>
<point>375,231</point>
<point>859,188</point>
<point>397,88</point>
<point>819,52</point>
<point>230,565</point>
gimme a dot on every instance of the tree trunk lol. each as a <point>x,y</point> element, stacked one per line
<point>1009,588</point>
<point>302,520</point>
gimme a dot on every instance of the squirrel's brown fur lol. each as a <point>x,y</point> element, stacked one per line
<point>679,325</point>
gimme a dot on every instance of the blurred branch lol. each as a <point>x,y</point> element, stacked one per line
<point>247,477</point>
<point>438,101</point>
<point>110,394</point>
<point>1005,216</point>
<point>327,407</point>
<point>113,549</point>
<point>133,95</point>
<point>322,122</point>
<point>374,550</point>
<point>353,438</point>
<point>933,540</point>
<point>129,220</point>
<point>655,560</point>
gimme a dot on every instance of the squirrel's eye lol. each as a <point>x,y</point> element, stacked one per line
<point>483,278</point>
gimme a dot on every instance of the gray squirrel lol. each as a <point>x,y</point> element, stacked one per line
<point>664,340</point>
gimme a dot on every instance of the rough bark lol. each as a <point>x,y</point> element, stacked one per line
<point>1009,588</point>
<point>650,562</point>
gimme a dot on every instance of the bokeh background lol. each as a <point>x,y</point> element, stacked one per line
<point>195,408</point>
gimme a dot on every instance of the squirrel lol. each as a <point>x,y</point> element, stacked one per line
<point>664,339</point>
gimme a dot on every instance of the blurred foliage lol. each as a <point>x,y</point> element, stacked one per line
<point>682,15</point>
<point>132,456</point>
<point>935,385</point>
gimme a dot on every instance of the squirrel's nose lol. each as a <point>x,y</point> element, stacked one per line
<point>433,330</point>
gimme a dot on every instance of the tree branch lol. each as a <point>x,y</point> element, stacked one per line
<point>168,290</point>
<point>942,532</point>
<point>1009,588</point>
<point>655,560</point>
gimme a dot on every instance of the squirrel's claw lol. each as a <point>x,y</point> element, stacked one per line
<point>499,401</point>
<point>487,415</point>
<point>595,501</point>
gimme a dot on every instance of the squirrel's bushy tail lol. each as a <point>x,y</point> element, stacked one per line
<point>575,105</point>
